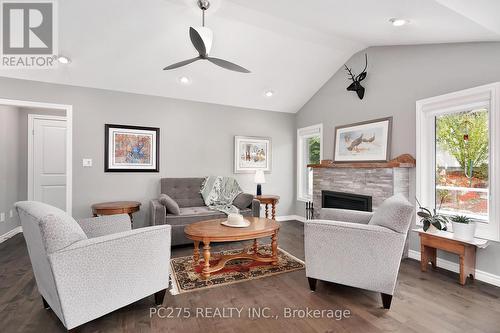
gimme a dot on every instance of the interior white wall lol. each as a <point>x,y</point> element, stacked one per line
<point>398,76</point>
<point>9,166</point>
<point>196,140</point>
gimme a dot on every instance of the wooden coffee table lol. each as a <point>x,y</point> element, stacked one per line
<point>214,231</point>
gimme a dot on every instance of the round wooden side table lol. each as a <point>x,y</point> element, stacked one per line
<point>269,200</point>
<point>116,207</point>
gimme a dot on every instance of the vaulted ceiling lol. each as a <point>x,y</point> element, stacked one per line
<point>291,47</point>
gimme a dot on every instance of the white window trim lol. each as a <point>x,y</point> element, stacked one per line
<point>427,109</point>
<point>302,133</point>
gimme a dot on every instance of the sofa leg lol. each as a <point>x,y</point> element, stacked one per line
<point>159,297</point>
<point>386,300</point>
<point>46,305</point>
<point>312,283</point>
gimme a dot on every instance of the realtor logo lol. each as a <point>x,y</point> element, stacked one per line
<point>28,34</point>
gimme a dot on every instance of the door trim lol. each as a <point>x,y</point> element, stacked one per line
<point>69,139</point>
<point>31,119</point>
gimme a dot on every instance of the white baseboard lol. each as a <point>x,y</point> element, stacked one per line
<point>290,217</point>
<point>11,233</point>
<point>454,267</point>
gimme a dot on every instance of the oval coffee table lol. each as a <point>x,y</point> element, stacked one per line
<point>214,231</point>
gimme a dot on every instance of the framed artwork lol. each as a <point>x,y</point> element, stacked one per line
<point>131,148</point>
<point>368,141</point>
<point>252,154</point>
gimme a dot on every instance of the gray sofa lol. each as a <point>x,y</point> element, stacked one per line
<point>186,192</point>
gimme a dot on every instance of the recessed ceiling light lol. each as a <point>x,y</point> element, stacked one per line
<point>398,22</point>
<point>269,93</point>
<point>63,60</point>
<point>184,80</point>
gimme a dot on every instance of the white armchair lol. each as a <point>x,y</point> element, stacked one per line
<point>89,268</point>
<point>359,249</point>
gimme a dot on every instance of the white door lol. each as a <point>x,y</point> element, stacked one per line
<point>47,164</point>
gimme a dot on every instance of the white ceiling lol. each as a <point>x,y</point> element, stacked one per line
<point>291,47</point>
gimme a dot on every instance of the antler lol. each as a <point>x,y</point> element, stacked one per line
<point>353,77</point>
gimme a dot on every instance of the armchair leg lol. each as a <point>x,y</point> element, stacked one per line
<point>312,283</point>
<point>46,305</point>
<point>159,297</point>
<point>386,300</point>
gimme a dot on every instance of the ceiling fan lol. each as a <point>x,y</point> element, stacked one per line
<point>202,38</point>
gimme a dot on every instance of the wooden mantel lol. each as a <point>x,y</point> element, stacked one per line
<point>402,161</point>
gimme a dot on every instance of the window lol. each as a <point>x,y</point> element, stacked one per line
<point>457,170</point>
<point>309,151</point>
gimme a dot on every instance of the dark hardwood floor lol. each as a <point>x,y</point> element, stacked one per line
<point>424,302</point>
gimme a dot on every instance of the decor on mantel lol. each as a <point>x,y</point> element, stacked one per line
<point>259,179</point>
<point>367,141</point>
<point>131,148</point>
<point>356,80</point>
<point>252,154</point>
<point>402,161</point>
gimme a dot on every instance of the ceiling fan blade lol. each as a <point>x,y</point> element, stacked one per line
<point>197,41</point>
<point>181,63</point>
<point>228,65</point>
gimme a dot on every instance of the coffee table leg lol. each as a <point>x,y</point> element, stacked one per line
<point>206,256</point>
<point>255,246</point>
<point>274,210</point>
<point>267,211</point>
<point>274,246</point>
<point>196,253</point>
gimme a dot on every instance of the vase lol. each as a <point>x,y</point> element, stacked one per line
<point>432,229</point>
<point>464,231</point>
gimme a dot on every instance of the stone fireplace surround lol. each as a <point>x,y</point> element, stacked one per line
<point>380,180</point>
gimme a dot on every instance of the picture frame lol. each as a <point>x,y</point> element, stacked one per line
<point>252,153</point>
<point>131,148</point>
<point>367,141</point>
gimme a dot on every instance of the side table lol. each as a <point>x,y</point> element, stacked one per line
<point>116,207</point>
<point>269,200</point>
<point>445,241</point>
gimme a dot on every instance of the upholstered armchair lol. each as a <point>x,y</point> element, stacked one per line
<point>89,268</point>
<point>359,249</point>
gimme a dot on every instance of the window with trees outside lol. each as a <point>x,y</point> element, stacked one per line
<point>309,151</point>
<point>458,169</point>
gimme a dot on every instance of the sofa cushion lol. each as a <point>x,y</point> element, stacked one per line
<point>170,204</point>
<point>185,191</point>
<point>190,215</point>
<point>394,213</point>
<point>243,200</point>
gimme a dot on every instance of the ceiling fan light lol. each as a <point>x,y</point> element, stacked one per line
<point>269,93</point>
<point>184,80</point>
<point>398,22</point>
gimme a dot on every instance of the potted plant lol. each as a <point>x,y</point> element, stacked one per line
<point>432,221</point>
<point>463,227</point>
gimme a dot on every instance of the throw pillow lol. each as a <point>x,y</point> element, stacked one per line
<point>170,204</point>
<point>243,200</point>
<point>394,213</point>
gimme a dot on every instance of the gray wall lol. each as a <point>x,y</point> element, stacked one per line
<point>398,76</point>
<point>9,166</point>
<point>196,140</point>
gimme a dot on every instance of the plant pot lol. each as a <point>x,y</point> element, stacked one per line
<point>464,231</point>
<point>432,229</point>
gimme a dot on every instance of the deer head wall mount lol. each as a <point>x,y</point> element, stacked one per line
<point>356,80</point>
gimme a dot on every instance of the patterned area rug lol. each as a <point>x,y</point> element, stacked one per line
<point>185,277</point>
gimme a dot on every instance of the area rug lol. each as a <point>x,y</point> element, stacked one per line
<point>186,278</point>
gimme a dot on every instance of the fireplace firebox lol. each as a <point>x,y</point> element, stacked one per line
<point>332,199</point>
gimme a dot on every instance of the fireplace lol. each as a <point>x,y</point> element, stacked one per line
<point>332,199</point>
